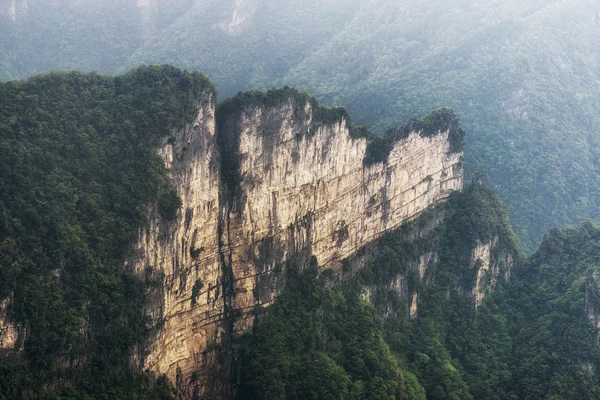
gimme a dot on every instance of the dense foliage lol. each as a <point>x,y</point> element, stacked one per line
<point>523,76</point>
<point>321,343</point>
<point>78,172</point>
<point>531,338</point>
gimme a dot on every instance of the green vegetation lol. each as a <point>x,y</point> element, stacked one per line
<point>168,205</point>
<point>198,285</point>
<point>321,343</point>
<point>244,101</point>
<point>335,334</point>
<point>556,352</point>
<point>531,338</point>
<point>195,253</point>
<point>78,171</point>
<point>378,147</point>
<point>76,35</point>
<point>442,119</point>
<point>523,76</point>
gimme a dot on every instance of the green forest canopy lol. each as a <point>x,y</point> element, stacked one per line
<point>79,168</point>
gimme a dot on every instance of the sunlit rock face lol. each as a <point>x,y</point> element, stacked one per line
<point>182,256</point>
<point>592,307</point>
<point>304,188</point>
<point>12,335</point>
<point>260,184</point>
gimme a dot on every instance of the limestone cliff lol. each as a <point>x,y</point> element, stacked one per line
<point>463,247</point>
<point>264,178</point>
<point>490,264</point>
<point>182,257</point>
<point>592,299</point>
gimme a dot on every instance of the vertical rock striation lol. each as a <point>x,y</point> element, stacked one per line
<point>302,186</point>
<point>265,178</point>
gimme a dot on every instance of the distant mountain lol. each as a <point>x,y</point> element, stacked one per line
<point>524,76</point>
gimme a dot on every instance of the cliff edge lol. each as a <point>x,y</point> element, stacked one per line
<point>262,178</point>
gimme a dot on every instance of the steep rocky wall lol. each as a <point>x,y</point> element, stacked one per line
<point>260,183</point>
<point>443,250</point>
<point>304,187</point>
<point>592,295</point>
<point>182,256</point>
<point>491,265</point>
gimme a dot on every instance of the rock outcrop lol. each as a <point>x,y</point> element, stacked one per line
<point>12,335</point>
<point>265,178</point>
<point>182,256</point>
<point>592,299</point>
<point>491,264</point>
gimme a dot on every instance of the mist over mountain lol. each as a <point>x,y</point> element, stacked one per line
<point>523,76</point>
<point>169,234</point>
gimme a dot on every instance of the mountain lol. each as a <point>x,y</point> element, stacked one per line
<point>534,336</point>
<point>522,75</point>
<point>142,226</point>
<point>154,244</point>
<point>296,181</point>
<point>79,169</point>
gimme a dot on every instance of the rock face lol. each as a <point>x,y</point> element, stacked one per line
<point>182,256</point>
<point>261,182</point>
<point>592,299</point>
<point>12,335</point>
<point>490,265</point>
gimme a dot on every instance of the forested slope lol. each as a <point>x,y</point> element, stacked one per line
<point>78,162</point>
<point>522,76</point>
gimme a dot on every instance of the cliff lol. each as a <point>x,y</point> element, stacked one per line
<point>256,248</point>
<point>70,213</point>
<point>263,178</point>
<point>12,334</point>
<point>463,247</point>
<point>183,256</point>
